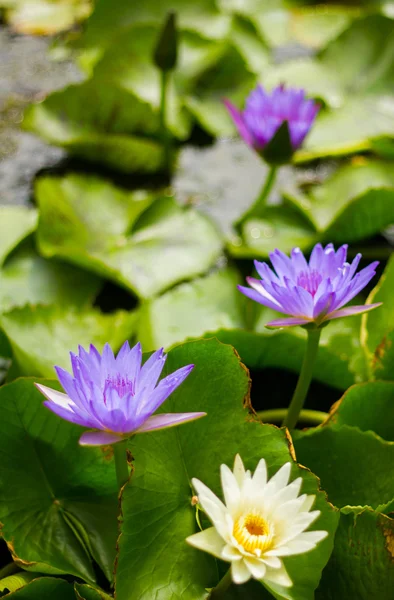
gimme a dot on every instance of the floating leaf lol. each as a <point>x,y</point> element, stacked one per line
<point>45,588</point>
<point>42,337</point>
<point>90,222</point>
<point>361,565</point>
<point>156,504</point>
<point>368,406</point>
<point>356,202</point>
<point>29,278</point>
<point>16,223</point>
<point>69,500</point>
<point>344,458</point>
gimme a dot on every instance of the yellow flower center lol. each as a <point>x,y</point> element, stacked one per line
<point>253,533</point>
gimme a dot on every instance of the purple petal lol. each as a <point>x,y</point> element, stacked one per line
<point>69,415</point>
<point>290,322</point>
<point>237,117</point>
<point>260,298</point>
<point>99,438</point>
<point>151,370</point>
<point>350,311</point>
<point>166,386</point>
<point>168,420</point>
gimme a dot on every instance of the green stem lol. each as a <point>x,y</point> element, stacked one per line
<point>257,209</point>
<point>222,586</point>
<point>163,124</point>
<point>304,380</point>
<point>121,466</point>
<point>311,417</point>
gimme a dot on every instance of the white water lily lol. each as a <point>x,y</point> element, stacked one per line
<point>261,521</point>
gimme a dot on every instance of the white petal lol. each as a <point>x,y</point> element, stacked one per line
<point>290,492</point>
<point>230,488</point>
<point>272,561</point>
<point>288,511</point>
<point>208,540</point>
<point>230,553</point>
<point>297,527</point>
<point>279,480</point>
<point>256,567</point>
<point>305,542</point>
<point>239,470</point>
<point>278,576</point>
<point>239,572</point>
<point>260,475</point>
<point>56,397</point>
<point>214,507</point>
<point>308,503</point>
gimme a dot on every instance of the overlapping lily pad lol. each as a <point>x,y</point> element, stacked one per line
<point>30,279</point>
<point>344,458</point>
<point>361,565</point>
<point>164,464</point>
<point>45,588</point>
<point>91,223</point>
<point>355,203</point>
<point>43,336</point>
<point>368,406</point>
<point>16,223</point>
<point>69,504</point>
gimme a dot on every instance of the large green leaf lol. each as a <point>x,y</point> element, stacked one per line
<point>368,406</point>
<point>43,336</point>
<point>16,223</point>
<point>356,202</point>
<point>382,364</point>
<point>156,504</point>
<point>281,227</point>
<point>87,592</point>
<point>347,460</point>
<point>361,565</point>
<point>377,324</point>
<point>101,123</point>
<point>190,310</point>
<point>90,222</point>
<point>29,278</point>
<point>62,507</point>
<point>45,588</point>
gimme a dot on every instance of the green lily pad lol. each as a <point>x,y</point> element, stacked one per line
<point>91,223</point>
<point>368,406</point>
<point>16,223</point>
<point>377,324</point>
<point>100,123</point>
<point>190,310</point>
<point>27,278</point>
<point>43,336</point>
<point>346,460</point>
<point>87,592</point>
<point>382,363</point>
<point>156,504</point>
<point>69,500</point>
<point>361,565</point>
<point>356,202</point>
<point>45,588</point>
<point>15,582</point>
<point>283,228</point>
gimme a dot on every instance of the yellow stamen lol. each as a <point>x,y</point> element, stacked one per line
<point>253,533</point>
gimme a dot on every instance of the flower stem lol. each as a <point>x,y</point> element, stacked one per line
<point>257,209</point>
<point>311,417</point>
<point>304,380</point>
<point>163,124</point>
<point>121,466</point>
<point>222,586</point>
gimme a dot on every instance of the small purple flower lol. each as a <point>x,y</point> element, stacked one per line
<point>313,292</point>
<point>265,112</point>
<point>116,396</point>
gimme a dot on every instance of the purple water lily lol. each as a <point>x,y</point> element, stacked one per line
<point>313,292</point>
<point>265,112</point>
<point>116,396</point>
